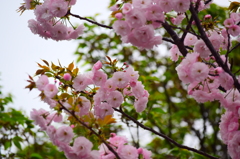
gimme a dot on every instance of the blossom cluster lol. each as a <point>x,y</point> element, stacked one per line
<point>207,81</point>
<point>51,16</point>
<point>111,92</point>
<point>90,97</point>
<point>137,21</point>
<point>62,136</point>
<point>119,143</point>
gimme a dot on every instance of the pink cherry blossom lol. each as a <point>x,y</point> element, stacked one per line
<point>128,152</point>
<point>50,90</point>
<point>201,96</point>
<point>117,140</point>
<point>39,117</point>
<point>59,32</point>
<point>181,5</point>
<point>127,8</point>
<point>103,110</point>
<point>115,99</point>
<point>82,146</point>
<point>201,48</point>
<point>225,80</point>
<point>43,13</point>
<point>110,84</point>
<point>138,90</point>
<point>131,74</point>
<point>174,52</point>
<point>64,134</point>
<point>84,105</point>
<point>58,8</point>
<point>234,146</point>
<point>74,34</point>
<point>121,27</point>
<point>154,12</point>
<point>81,82</point>
<point>141,4</point>
<point>166,5</point>
<point>99,78</point>
<point>190,39</point>
<point>146,154</point>
<point>135,18</point>
<point>141,104</point>
<point>228,22</point>
<point>234,30</point>
<point>183,72</point>
<point>51,132</point>
<point>114,8</point>
<point>52,103</point>
<point>199,71</point>
<point>229,124</point>
<point>42,82</point>
<point>120,79</point>
<point>34,26</point>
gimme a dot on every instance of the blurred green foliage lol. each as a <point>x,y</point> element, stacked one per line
<point>19,138</point>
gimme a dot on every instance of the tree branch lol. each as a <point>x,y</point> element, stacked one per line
<point>86,126</point>
<point>175,37</point>
<point>89,20</point>
<point>164,136</point>
<point>211,48</point>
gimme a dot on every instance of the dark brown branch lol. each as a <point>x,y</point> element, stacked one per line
<point>234,47</point>
<point>164,136</point>
<point>89,20</point>
<point>175,37</point>
<point>86,126</point>
<point>207,2</point>
<point>211,48</point>
<point>189,26</point>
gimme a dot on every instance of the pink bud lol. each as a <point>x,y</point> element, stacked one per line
<point>97,66</point>
<point>67,77</point>
<point>140,151</point>
<point>118,15</point>
<point>208,16</point>
<point>219,70</point>
<point>133,83</point>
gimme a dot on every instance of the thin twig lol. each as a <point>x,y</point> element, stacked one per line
<point>89,20</point>
<point>234,47</point>
<point>95,133</point>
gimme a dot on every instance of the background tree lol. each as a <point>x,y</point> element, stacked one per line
<point>170,110</point>
<point>19,138</point>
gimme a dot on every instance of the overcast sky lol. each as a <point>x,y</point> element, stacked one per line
<point>20,49</point>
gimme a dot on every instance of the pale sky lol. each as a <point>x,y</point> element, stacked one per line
<point>20,49</point>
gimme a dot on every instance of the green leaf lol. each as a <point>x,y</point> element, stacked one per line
<point>7,144</point>
<point>158,110</point>
<point>16,141</point>
<point>35,156</point>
